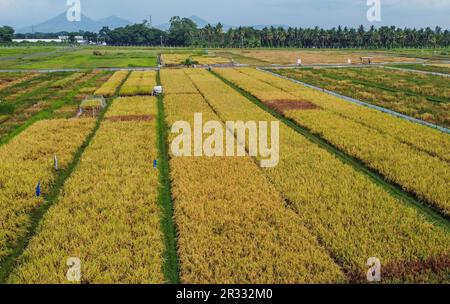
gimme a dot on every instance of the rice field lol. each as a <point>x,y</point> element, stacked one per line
<point>320,57</point>
<point>425,97</point>
<point>110,87</point>
<point>90,176</point>
<point>178,59</point>
<point>34,97</point>
<point>379,149</point>
<point>324,209</point>
<point>139,83</point>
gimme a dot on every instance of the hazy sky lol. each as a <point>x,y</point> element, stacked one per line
<point>325,13</point>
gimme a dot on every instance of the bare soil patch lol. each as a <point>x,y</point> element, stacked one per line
<point>283,106</point>
<point>130,118</point>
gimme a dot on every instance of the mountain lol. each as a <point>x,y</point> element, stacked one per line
<point>113,22</point>
<point>61,24</point>
<point>201,23</point>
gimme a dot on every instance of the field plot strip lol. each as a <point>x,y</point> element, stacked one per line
<point>110,87</point>
<point>425,139</point>
<point>107,216</point>
<point>233,226</point>
<point>397,162</point>
<point>171,266</point>
<point>362,103</point>
<point>18,80</point>
<point>25,162</point>
<point>41,103</point>
<point>350,215</point>
<point>139,83</point>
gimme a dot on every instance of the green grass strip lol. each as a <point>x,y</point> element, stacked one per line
<point>433,215</point>
<point>171,262</point>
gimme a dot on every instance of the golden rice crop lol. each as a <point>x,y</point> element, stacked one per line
<point>67,80</point>
<point>110,87</point>
<point>405,92</point>
<point>354,218</point>
<point>131,106</point>
<point>418,172</point>
<point>174,82</point>
<point>139,83</point>
<point>233,226</point>
<point>29,159</point>
<point>7,84</point>
<point>427,177</point>
<point>179,59</point>
<point>424,138</point>
<point>210,60</point>
<point>444,65</point>
<point>108,215</point>
<point>315,57</point>
<point>174,59</point>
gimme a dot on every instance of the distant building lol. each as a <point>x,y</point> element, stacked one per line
<point>37,40</point>
<point>60,39</point>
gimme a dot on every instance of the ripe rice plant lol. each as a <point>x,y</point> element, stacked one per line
<point>39,100</point>
<point>417,95</point>
<point>107,216</point>
<point>67,80</point>
<point>27,160</point>
<point>175,83</point>
<point>232,222</point>
<point>317,57</point>
<point>110,87</point>
<point>353,217</point>
<point>179,59</point>
<point>398,162</point>
<point>12,80</point>
<point>426,139</point>
<point>139,83</point>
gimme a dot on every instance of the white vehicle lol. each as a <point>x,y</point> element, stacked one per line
<point>157,90</point>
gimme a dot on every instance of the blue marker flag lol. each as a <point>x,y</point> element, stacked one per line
<point>155,164</point>
<point>38,189</point>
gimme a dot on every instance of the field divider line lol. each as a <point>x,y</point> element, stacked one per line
<point>361,103</point>
<point>171,265</point>
<point>417,71</point>
<point>47,71</point>
<point>7,266</point>
<point>432,214</point>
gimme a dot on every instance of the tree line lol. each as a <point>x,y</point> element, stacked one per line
<point>6,34</point>
<point>184,32</point>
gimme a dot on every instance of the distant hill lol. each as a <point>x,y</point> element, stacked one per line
<point>61,24</point>
<point>202,23</point>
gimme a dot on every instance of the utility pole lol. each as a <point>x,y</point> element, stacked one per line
<point>161,41</point>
